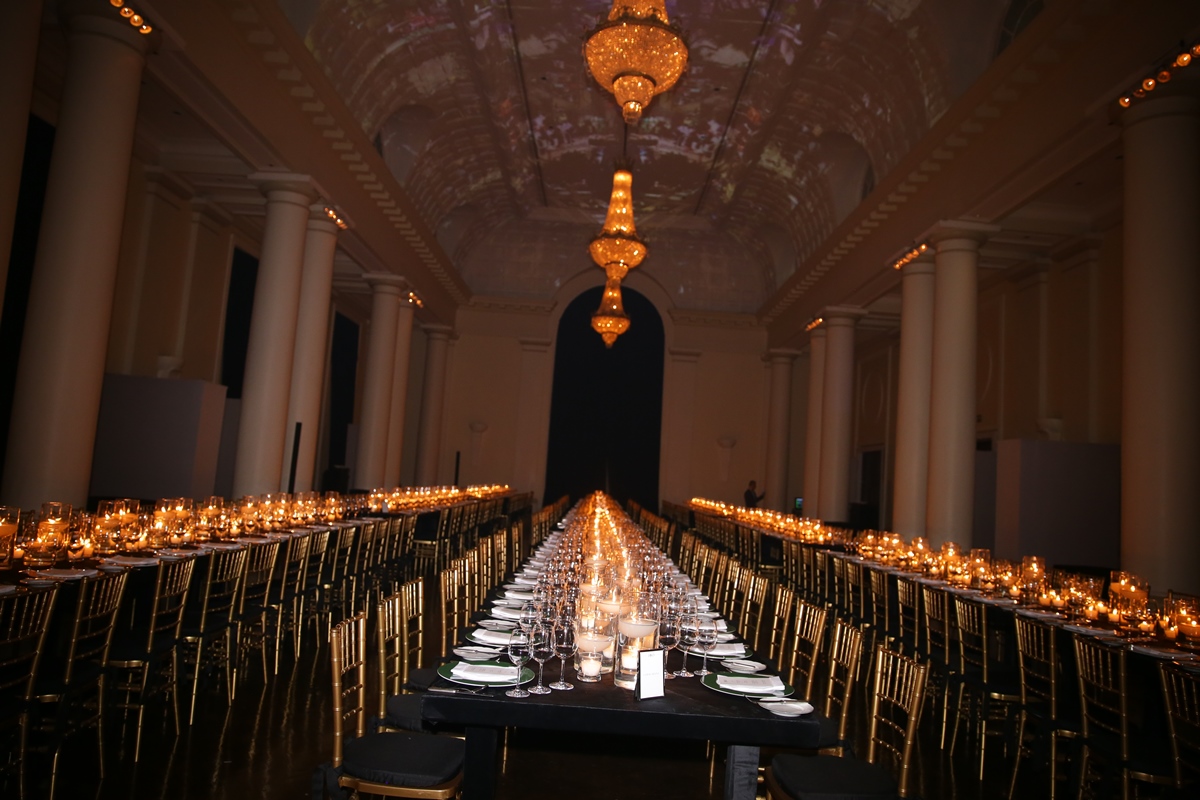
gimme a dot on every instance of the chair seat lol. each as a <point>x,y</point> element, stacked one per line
<point>828,778</point>
<point>420,679</point>
<point>403,759</point>
<point>404,712</point>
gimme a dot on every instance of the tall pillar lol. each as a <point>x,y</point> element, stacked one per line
<point>312,348</point>
<point>1160,380</point>
<point>779,414</point>
<point>395,444</point>
<point>837,413</point>
<point>950,495</point>
<point>429,436</point>
<point>61,369</point>
<point>269,351</point>
<point>912,405</point>
<point>18,57</point>
<point>812,429</point>
<point>376,408</point>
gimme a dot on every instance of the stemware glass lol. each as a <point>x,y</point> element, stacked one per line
<point>668,638</point>
<point>541,644</point>
<point>706,640</point>
<point>564,646</point>
<point>519,654</point>
<point>688,632</point>
<point>529,616</point>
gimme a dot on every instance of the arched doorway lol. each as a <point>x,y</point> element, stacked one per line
<point>606,405</point>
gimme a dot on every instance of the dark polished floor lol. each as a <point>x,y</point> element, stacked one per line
<point>266,744</point>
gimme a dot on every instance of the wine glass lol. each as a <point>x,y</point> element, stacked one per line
<point>565,647</point>
<point>668,637</point>
<point>706,640</point>
<point>529,616</point>
<point>541,644</point>
<point>688,633</point>
<point>519,652</point>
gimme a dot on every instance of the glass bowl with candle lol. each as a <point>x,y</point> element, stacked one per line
<point>53,532</point>
<point>10,518</point>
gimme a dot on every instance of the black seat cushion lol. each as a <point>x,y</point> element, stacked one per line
<point>403,759</point>
<point>404,712</point>
<point>828,778</point>
<point>420,678</point>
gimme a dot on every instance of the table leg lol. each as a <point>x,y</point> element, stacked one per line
<point>479,769</point>
<point>741,772</point>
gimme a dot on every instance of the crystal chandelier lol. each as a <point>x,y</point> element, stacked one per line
<point>617,249</point>
<point>610,320</point>
<point>635,54</point>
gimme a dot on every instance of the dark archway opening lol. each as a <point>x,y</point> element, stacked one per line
<point>606,406</point>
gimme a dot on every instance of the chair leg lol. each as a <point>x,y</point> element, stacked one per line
<point>175,687</point>
<point>196,679</point>
<point>1012,786</point>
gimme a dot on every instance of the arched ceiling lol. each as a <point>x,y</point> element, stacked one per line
<point>514,144</point>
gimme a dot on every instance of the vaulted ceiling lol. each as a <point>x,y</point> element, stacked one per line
<point>787,115</point>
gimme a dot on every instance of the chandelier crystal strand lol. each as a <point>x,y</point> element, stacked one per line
<point>610,320</point>
<point>636,54</point>
<point>617,249</point>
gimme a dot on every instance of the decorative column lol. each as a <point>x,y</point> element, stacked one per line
<point>1160,379</point>
<point>429,436</point>
<point>778,427</point>
<point>269,351</point>
<point>912,405</point>
<point>395,447</point>
<point>61,369</point>
<point>837,412</point>
<point>950,495</point>
<point>812,430</point>
<point>376,408</point>
<point>18,57</point>
<point>312,348</point>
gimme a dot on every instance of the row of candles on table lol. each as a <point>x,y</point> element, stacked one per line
<point>616,593</point>
<point>420,498</point>
<point>790,526</point>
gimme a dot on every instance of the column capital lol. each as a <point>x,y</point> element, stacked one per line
<point>385,283</point>
<point>102,19</point>
<point>436,331</point>
<point>1166,105</point>
<point>781,355</point>
<point>841,316</point>
<point>286,187</point>
<point>969,232</point>
<point>921,265</point>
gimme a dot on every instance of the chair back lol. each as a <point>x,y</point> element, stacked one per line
<point>936,643</point>
<point>453,607</point>
<point>318,551</point>
<point>222,587</point>
<point>170,601</point>
<point>260,568</point>
<point>845,651</point>
<point>854,590</point>
<point>908,614</point>
<point>348,656</point>
<point>783,608</point>
<point>94,623</point>
<point>1102,696</point>
<point>1037,658</point>
<point>820,583</point>
<point>24,617</point>
<point>339,561</point>
<point>837,587</point>
<point>973,653</point>
<point>792,574</point>
<point>880,606</point>
<point>896,712</point>
<point>289,577</point>
<point>401,638</point>
<point>753,603</point>
<point>806,645</point>
<point>1181,689</point>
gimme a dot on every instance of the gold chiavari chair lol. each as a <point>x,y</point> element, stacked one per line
<point>845,653</point>
<point>500,568</point>
<point>792,576</point>
<point>401,637</point>
<point>879,607</point>
<point>252,628</point>
<point>24,618</point>
<point>753,605</point>
<point>74,700</point>
<point>151,667</point>
<point>286,599</point>
<point>208,641</point>
<point>1104,716</point>
<point>390,763</point>
<point>837,586</point>
<point>1037,659</point>
<point>820,583</point>
<point>320,552</point>
<point>1181,690</point>
<point>855,596</point>
<point>453,607</point>
<point>783,608</point>
<point>334,599</point>
<point>898,691</point>
<point>908,615</point>
<point>991,694</point>
<point>936,646</point>
<point>808,636</point>
<point>730,604</point>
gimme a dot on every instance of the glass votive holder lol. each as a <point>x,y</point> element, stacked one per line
<point>588,666</point>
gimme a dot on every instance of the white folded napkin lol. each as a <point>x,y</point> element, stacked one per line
<point>725,637</point>
<point>764,685</point>
<point>525,581</point>
<point>491,637</point>
<point>512,594</point>
<point>506,612</point>
<point>485,672</point>
<point>725,650</point>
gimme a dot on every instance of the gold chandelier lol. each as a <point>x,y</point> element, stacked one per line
<point>617,249</point>
<point>610,320</point>
<point>635,54</point>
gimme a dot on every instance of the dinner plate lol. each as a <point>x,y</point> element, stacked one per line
<point>786,708</point>
<point>38,583</point>
<point>7,588</point>
<point>709,681</point>
<point>746,667</point>
<point>497,624</point>
<point>474,636</point>
<point>1162,651</point>
<point>446,671</point>
<point>69,574</point>
<point>746,653</point>
<point>129,561</point>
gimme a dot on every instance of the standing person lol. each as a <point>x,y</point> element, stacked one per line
<point>752,496</point>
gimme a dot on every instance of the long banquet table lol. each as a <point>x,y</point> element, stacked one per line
<point>687,710</point>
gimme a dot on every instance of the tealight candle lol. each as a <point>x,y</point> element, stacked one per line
<point>1091,613</point>
<point>18,552</point>
<point>1145,626</point>
<point>589,665</point>
<point>88,549</point>
<point>1043,599</point>
<point>629,659</point>
<point>1057,602</point>
<point>1114,617</point>
<point>1171,632</point>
